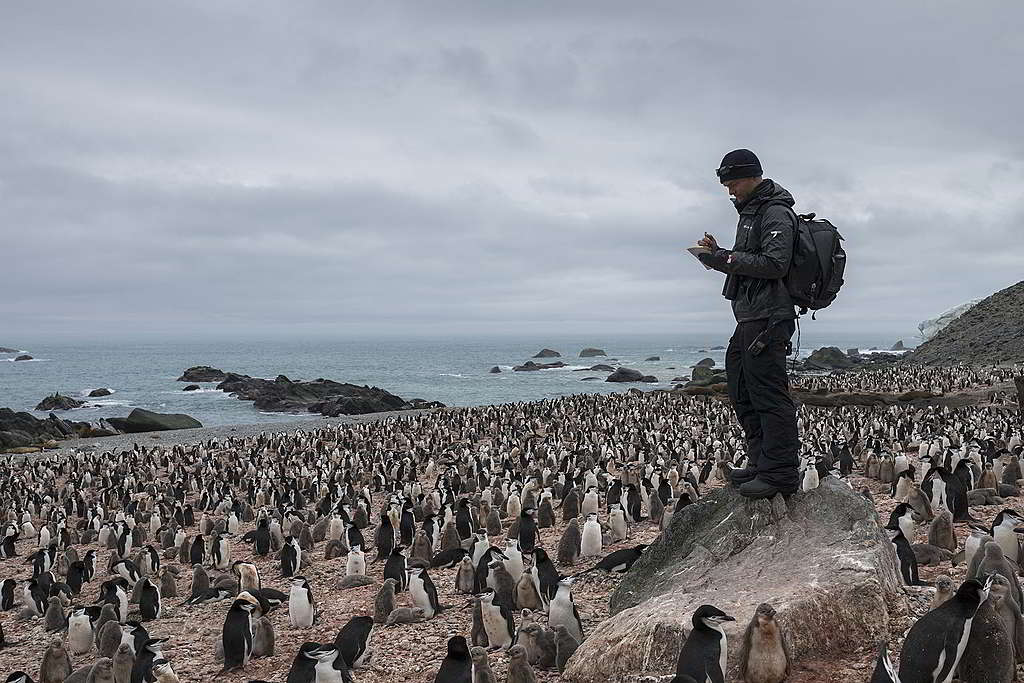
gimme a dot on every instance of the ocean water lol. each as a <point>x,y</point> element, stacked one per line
<point>453,371</point>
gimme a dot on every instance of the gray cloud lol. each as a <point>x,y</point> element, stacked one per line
<point>457,166</point>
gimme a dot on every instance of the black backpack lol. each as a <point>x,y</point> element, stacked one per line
<point>816,272</point>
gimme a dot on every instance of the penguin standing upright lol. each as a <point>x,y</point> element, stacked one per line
<point>301,605</point>
<point>936,642</point>
<point>764,655</point>
<point>591,542</point>
<point>884,671</point>
<point>149,600</point>
<point>291,557</point>
<point>384,537</point>
<point>465,577</point>
<point>527,531</point>
<point>908,561</point>
<point>237,635</point>
<point>423,591</point>
<point>498,621</point>
<point>562,611</point>
<point>457,666</point>
<point>705,652</point>
<point>395,568</point>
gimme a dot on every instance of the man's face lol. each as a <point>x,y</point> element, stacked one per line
<point>741,188</point>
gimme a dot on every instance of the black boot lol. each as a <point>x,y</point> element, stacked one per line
<point>758,488</point>
<point>738,477</point>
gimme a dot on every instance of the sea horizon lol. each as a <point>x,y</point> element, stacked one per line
<point>455,370</point>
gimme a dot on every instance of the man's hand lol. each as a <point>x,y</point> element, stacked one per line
<point>708,241</point>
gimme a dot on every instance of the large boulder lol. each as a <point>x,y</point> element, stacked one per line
<point>4,349</point>
<point>495,370</point>
<point>202,373</point>
<point>24,356</point>
<point>319,396</point>
<point>140,420</point>
<point>102,391</point>
<point>898,346</point>
<point>821,560</point>
<point>652,358</point>
<point>547,353</point>
<point>58,401</point>
<point>25,429</point>
<point>628,375</point>
<point>706,363</point>
<point>828,358</point>
<point>590,352</point>
<point>530,366</point>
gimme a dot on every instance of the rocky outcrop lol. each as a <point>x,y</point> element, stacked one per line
<point>192,387</point>
<point>24,356</point>
<point>140,420</point>
<point>530,366</point>
<point>705,363</point>
<point>822,561</point>
<point>591,352</point>
<point>547,353</point>
<point>495,370</point>
<point>898,346</point>
<point>23,430</point>
<point>97,393</point>
<point>202,373</point>
<point>322,396</point>
<point>628,375</point>
<point>4,349</point>
<point>828,358</point>
<point>991,331</point>
<point>58,401</point>
<point>652,358</point>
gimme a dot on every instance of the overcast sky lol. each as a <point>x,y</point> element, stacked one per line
<point>490,167</point>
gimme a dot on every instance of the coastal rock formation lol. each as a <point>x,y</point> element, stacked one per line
<point>991,331</point>
<point>547,353</point>
<point>824,563</point>
<point>322,396</point>
<point>4,349</point>
<point>24,356</point>
<point>97,393</point>
<point>652,358</point>
<point>898,346</point>
<point>58,401</point>
<point>19,430</point>
<point>828,358</point>
<point>202,373</point>
<point>591,352</point>
<point>530,366</point>
<point>140,420</point>
<point>628,375</point>
<point>192,387</point>
<point>706,363</point>
<point>495,370</point>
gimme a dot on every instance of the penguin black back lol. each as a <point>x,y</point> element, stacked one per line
<point>457,666</point>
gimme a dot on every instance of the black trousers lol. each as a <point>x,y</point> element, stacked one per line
<point>759,391</point>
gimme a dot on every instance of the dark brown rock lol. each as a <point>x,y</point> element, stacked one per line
<point>58,401</point>
<point>547,353</point>
<point>140,420</point>
<point>322,396</point>
<point>202,373</point>
<point>24,356</point>
<point>629,375</point>
<point>590,352</point>
<point>97,393</point>
<point>530,366</point>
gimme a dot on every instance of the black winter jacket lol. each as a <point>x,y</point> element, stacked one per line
<point>758,262</point>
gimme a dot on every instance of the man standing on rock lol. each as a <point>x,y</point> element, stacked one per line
<point>755,362</point>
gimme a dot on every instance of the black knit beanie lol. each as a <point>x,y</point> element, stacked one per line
<point>739,163</point>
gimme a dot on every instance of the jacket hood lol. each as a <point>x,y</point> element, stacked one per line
<point>767,191</point>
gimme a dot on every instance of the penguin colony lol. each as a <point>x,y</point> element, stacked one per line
<point>356,551</point>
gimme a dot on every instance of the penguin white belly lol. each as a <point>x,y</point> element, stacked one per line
<point>907,526</point>
<point>590,545</point>
<point>420,597</point>
<point>300,611</point>
<point>1007,540</point>
<point>356,564</point>
<point>496,628</point>
<point>326,673</point>
<point>80,636</point>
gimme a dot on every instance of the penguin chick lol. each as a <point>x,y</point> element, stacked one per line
<point>481,667</point>
<point>519,669</point>
<point>565,646</point>
<point>56,663</point>
<point>405,615</point>
<point>263,638</point>
<point>764,655</point>
<point>384,602</point>
<point>943,591</point>
<point>569,544</point>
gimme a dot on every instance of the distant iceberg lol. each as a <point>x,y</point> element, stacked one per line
<point>931,327</point>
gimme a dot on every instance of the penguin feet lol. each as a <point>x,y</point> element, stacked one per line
<point>758,488</point>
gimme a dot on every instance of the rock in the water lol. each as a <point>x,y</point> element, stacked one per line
<point>495,370</point>
<point>590,352</point>
<point>628,375</point>
<point>706,363</point>
<point>140,420</point>
<point>202,373</point>
<point>191,387</point>
<point>19,430</point>
<point>898,346</point>
<point>988,332</point>
<point>828,358</point>
<point>24,356</point>
<point>853,352</point>
<point>96,393</point>
<point>58,401</point>
<point>4,349</point>
<point>547,353</point>
<point>530,366</point>
<point>601,367</point>
<point>322,396</point>
<point>822,561</point>
<point>652,358</point>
